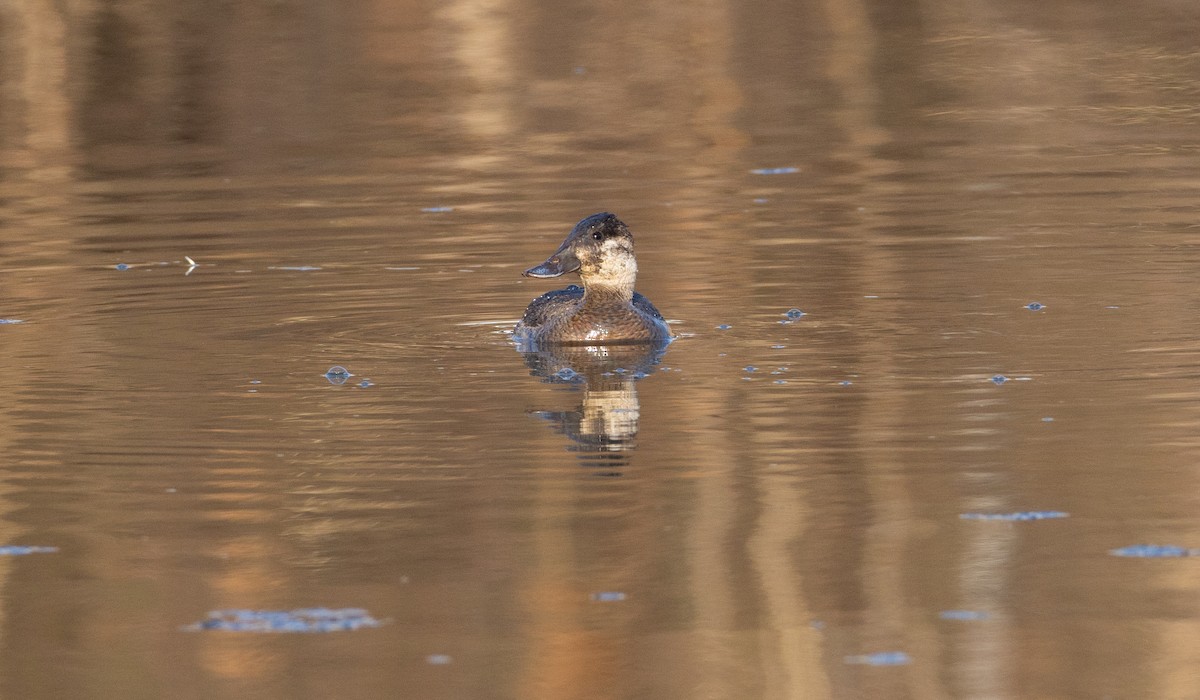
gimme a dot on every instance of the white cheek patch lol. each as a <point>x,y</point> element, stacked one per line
<point>619,267</point>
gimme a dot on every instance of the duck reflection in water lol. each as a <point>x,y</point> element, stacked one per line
<point>603,337</point>
<point>604,426</point>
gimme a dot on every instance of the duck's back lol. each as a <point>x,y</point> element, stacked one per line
<point>560,303</point>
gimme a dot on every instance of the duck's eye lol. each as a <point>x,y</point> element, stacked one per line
<point>597,235</point>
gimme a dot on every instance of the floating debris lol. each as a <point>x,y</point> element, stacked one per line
<point>1016,517</point>
<point>608,596</point>
<point>566,374</point>
<point>883,658</point>
<point>302,620</point>
<point>17,550</point>
<point>775,171</point>
<point>963,615</point>
<point>1035,306</point>
<point>1154,551</point>
<point>338,374</point>
<point>10,321</point>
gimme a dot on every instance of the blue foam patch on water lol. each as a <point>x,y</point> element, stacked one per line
<point>365,384</point>
<point>775,171</point>
<point>724,327</point>
<point>998,379</point>
<point>608,596</point>
<point>883,658</point>
<point>10,321</point>
<point>1016,517</point>
<point>795,313</point>
<point>295,621</point>
<point>1035,306</point>
<point>121,266</point>
<point>1155,551</point>
<point>965,615</point>
<point>16,550</point>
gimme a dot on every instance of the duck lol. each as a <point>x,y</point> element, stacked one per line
<point>605,310</point>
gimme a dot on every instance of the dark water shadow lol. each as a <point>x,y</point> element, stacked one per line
<point>603,428</point>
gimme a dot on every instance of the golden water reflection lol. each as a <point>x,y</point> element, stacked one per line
<point>361,183</point>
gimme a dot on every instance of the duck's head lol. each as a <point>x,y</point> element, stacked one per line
<point>600,249</point>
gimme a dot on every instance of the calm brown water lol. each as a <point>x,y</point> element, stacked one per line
<point>361,184</point>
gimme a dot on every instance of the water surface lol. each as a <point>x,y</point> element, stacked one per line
<point>986,213</point>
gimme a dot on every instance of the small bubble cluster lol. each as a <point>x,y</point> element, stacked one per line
<point>302,620</point>
<point>883,658</point>
<point>964,615</point>
<point>608,596</point>
<point>1154,551</point>
<point>1018,516</point>
<point>17,550</point>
